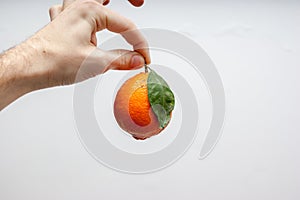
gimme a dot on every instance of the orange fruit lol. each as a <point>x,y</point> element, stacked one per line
<point>132,108</point>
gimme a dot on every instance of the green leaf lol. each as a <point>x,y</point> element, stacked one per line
<point>161,98</point>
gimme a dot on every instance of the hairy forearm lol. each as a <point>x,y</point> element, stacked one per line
<point>21,71</point>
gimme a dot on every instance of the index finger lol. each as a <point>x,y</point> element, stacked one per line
<point>119,24</point>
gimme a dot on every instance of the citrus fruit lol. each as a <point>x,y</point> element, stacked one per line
<point>134,107</point>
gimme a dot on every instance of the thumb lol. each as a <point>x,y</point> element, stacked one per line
<point>100,61</point>
<point>124,59</point>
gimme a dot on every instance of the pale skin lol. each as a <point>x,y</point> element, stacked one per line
<point>54,55</point>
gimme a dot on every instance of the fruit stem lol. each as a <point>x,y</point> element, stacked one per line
<point>146,68</point>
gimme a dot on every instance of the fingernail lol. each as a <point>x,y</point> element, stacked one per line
<point>137,62</point>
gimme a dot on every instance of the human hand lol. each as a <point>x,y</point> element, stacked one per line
<point>70,39</point>
<point>55,10</point>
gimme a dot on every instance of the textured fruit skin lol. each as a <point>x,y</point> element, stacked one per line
<point>132,109</point>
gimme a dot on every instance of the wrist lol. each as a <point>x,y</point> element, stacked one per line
<point>38,59</point>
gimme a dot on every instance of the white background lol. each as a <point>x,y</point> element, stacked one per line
<point>255,47</point>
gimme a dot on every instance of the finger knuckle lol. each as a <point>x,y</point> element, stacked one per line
<point>123,59</point>
<point>89,4</point>
<point>51,9</point>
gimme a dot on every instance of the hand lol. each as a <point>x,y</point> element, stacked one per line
<point>82,37</point>
<point>55,10</point>
<point>53,56</point>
